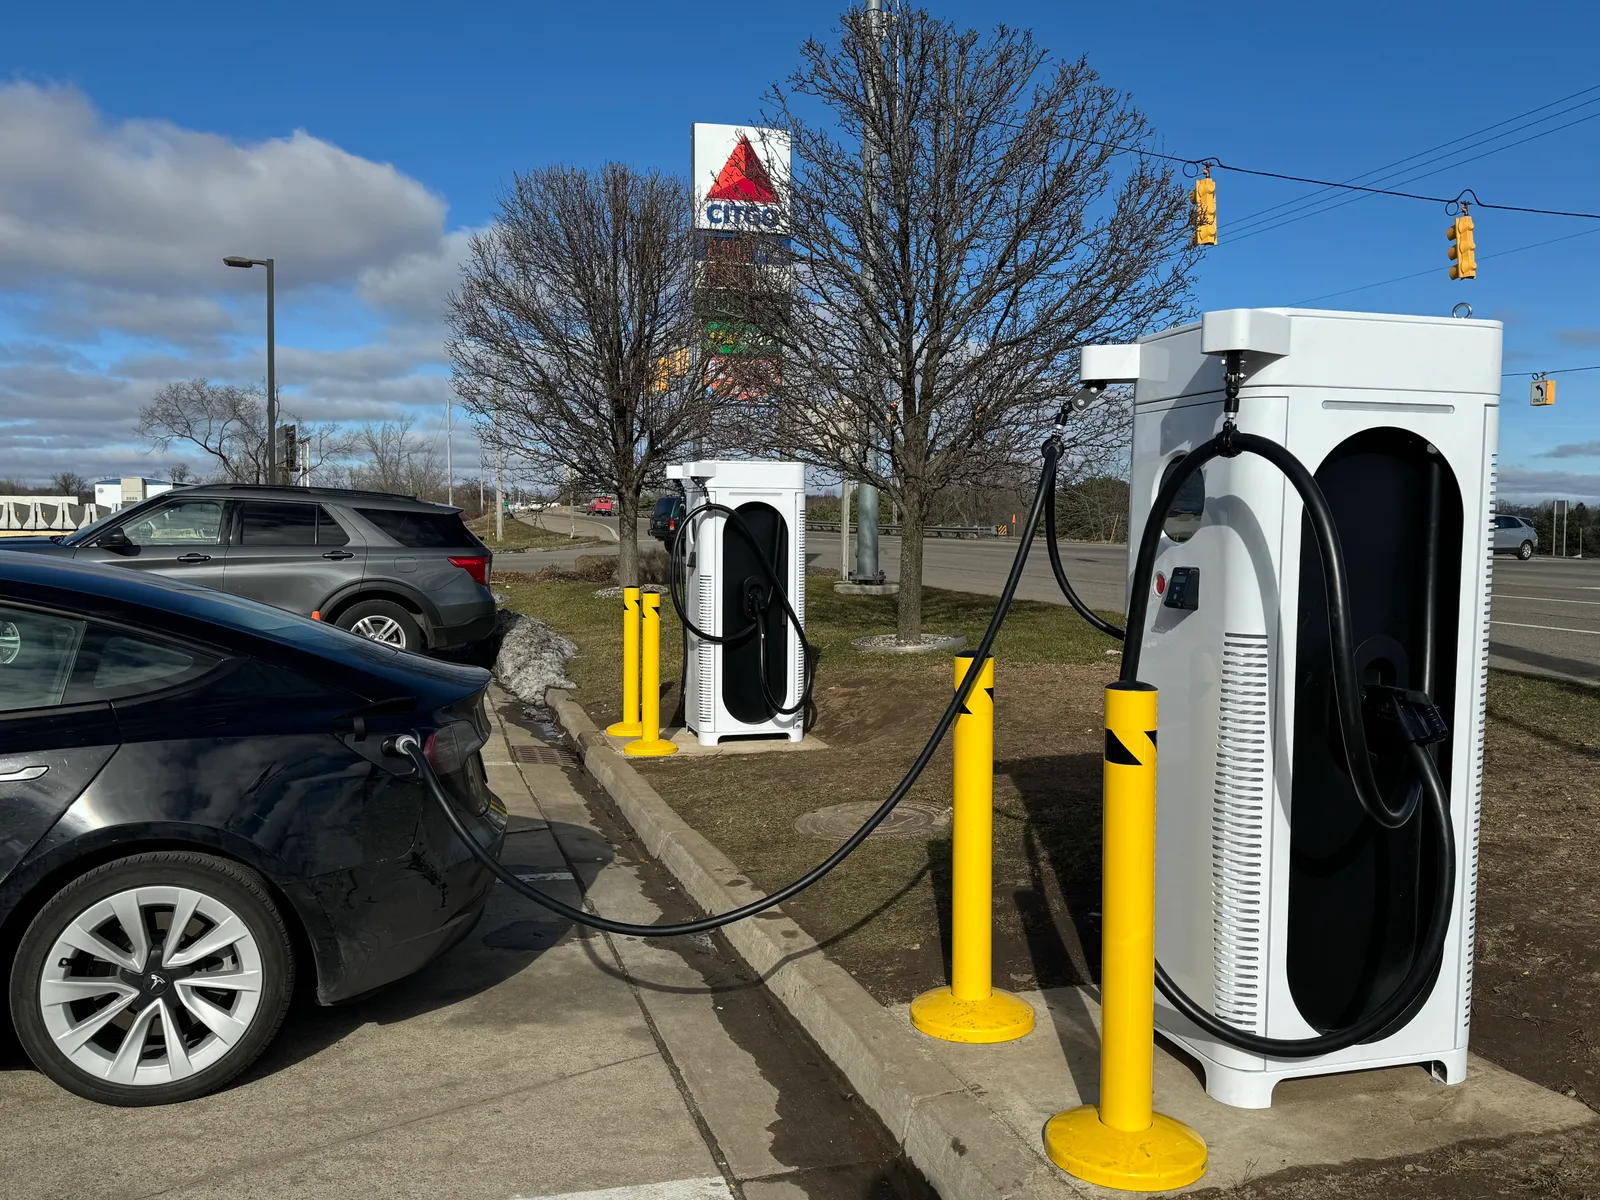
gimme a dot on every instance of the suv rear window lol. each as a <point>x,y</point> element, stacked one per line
<point>421,530</point>
<point>666,505</point>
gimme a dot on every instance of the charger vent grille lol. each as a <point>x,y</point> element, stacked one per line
<point>1469,927</point>
<point>1242,798</point>
<point>706,653</point>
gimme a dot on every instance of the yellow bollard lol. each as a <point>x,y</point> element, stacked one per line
<point>970,1010</point>
<point>630,726</point>
<point>650,743</point>
<point>1125,1144</point>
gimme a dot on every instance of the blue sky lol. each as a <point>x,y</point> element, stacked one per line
<point>357,142</point>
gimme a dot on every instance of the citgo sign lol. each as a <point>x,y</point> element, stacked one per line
<point>740,172</point>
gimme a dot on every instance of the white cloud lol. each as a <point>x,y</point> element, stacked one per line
<point>154,207</point>
<point>111,280</point>
<point>1532,487</point>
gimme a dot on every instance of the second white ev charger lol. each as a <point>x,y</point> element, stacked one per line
<point>739,681</point>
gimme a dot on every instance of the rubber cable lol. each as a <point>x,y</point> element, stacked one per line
<point>409,745</point>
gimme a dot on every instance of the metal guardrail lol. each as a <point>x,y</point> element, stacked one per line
<point>935,531</point>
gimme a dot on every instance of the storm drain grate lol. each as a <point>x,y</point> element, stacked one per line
<point>544,756</point>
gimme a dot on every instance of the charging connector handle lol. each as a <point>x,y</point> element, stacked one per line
<point>410,746</point>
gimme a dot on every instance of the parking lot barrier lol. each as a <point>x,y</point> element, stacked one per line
<point>631,725</point>
<point>650,743</point>
<point>970,1009</point>
<point>1125,1143</point>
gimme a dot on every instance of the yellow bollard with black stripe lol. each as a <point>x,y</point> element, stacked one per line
<point>630,726</point>
<point>1124,1143</point>
<point>650,743</point>
<point>970,1010</point>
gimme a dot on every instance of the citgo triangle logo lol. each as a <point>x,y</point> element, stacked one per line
<point>743,177</point>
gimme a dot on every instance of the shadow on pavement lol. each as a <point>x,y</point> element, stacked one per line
<point>510,935</point>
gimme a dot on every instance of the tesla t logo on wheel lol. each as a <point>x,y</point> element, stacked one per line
<point>155,982</point>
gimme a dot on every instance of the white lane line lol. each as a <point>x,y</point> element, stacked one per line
<point>676,1189</point>
<point>1549,600</point>
<point>1547,628</point>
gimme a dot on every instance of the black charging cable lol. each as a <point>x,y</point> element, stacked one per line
<point>408,745</point>
<point>1413,713</point>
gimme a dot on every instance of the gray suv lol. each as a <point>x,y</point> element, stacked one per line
<point>1514,535</point>
<point>396,570</point>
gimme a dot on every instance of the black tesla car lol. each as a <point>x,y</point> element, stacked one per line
<point>196,810</point>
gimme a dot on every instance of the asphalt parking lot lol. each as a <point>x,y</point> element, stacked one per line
<point>533,1060</point>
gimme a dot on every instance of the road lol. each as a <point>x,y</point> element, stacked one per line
<point>1545,615</point>
<point>532,1060</point>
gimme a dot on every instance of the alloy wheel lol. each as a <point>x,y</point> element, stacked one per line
<point>151,985</point>
<point>380,628</point>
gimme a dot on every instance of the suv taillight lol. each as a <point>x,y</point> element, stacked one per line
<point>476,565</point>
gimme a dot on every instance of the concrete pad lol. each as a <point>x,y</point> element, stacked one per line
<point>689,745</point>
<point>1392,1113</point>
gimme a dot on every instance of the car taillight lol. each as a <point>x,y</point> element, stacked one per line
<point>476,565</point>
<point>448,748</point>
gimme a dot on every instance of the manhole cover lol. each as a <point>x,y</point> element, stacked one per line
<point>908,820</point>
<point>544,756</point>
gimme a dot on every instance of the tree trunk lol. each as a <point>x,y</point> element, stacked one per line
<point>909,607</point>
<point>628,537</point>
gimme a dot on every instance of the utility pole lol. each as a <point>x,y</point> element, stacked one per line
<point>844,529</point>
<point>499,482</point>
<point>449,462</point>
<point>866,494</point>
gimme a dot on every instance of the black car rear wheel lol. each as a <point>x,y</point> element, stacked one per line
<point>152,979</point>
<point>382,621</point>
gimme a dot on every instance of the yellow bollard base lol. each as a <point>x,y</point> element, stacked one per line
<point>1167,1155</point>
<point>1001,1017</point>
<point>631,729</point>
<point>650,748</point>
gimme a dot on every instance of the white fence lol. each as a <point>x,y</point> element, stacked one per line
<point>46,514</point>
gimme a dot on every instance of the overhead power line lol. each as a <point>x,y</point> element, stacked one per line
<point>1367,176</point>
<point>1540,374</point>
<point>1434,270</point>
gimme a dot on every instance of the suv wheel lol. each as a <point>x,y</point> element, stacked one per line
<point>152,979</point>
<point>382,621</point>
<point>1525,551</point>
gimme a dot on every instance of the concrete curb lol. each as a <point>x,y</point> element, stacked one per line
<point>963,1150</point>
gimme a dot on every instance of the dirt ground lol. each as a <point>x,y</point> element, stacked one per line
<point>883,914</point>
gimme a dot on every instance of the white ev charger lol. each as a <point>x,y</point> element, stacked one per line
<point>744,663</point>
<point>1281,909</point>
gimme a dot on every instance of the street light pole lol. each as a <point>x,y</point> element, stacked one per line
<point>867,569</point>
<point>234,260</point>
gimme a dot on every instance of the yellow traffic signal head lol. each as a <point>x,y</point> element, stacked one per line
<point>1463,250</point>
<point>1205,211</point>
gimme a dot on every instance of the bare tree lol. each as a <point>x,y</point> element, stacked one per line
<point>230,424</point>
<point>573,332</point>
<point>70,483</point>
<point>393,459</point>
<point>1004,218</point>
<point>178,474</point>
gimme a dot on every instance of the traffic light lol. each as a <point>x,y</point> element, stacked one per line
<point>1205,211</point>
<point>1463,250</point>
<point>1542,391</point>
